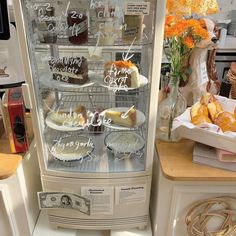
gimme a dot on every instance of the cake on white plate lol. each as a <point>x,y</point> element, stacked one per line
<point>72,148</point>
<point>72,70</point>
<point>77,117</point>
<point>122,73</point>
<point>124,118</point>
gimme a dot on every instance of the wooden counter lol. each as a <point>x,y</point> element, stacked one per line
<point>176,164</point>
<point>8,162</point>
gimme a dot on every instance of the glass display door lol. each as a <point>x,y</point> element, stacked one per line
<point>91,65</point>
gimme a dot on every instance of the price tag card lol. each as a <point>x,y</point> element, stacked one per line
<point>204,75</point>
<point>137,8</point>
<point>102,198</point>
<point>131,194</point>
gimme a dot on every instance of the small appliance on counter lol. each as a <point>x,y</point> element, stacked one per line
<point>13,112</point>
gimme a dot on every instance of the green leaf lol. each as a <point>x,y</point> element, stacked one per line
<point>184,77</point>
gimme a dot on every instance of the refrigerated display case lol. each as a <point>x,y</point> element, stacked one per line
<point>92,73</point>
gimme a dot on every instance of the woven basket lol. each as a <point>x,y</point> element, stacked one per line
<point>232,79</point>
<point>200,213</point>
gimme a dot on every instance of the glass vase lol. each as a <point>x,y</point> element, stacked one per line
<point>171,107</point>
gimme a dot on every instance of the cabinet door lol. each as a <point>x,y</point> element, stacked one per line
<point>90,76</point>
<point>6,224</point>
<point>185,197</point>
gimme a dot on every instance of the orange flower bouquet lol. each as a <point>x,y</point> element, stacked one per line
<point>181,36</point>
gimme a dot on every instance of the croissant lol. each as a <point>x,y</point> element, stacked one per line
<point>199,114</point>
<point>200,119</point>
<point>214,109</point>
<point>207,98</point>
<point>199,109</point>
<point>226,121</point>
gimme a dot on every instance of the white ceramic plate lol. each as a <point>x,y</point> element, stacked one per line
<point>140,118</point>
<point>143,82</point>
<point>81,148</point>
<point>51,83</point>
<point>53,125</point>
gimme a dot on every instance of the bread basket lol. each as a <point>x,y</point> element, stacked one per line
<point>202,212</point>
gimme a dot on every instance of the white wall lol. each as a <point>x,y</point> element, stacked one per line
<point>226,6</point>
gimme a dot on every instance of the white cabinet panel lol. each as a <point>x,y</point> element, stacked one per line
<point>5,225</point>
<point>184,197</point>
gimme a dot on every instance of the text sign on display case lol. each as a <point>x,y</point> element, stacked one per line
<point>137,8</point>
<point>4,23</point>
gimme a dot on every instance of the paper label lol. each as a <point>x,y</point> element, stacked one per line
<point>131,194</point>
<point>204,75</point>
<point>137,8</point>
<point>102,199</point>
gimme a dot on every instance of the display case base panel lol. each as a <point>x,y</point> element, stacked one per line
<point>94,224</point>
<point>115,203</point>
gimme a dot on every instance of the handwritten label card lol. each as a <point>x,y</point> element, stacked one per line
<point>137,8</point>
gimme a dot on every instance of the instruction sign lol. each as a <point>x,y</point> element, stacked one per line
<point>137,8</point>
<point>102,199</point>
<point>130,194</point>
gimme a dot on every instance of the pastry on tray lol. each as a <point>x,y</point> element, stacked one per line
<point>122,73</point>
<point>76,117</point>
<point>209,110</point>
<point>73,70</point>
<point>199,114</point>
<point>127,119</point>
<point>226,121</point>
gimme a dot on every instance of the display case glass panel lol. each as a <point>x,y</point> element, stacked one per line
<point>91,63</point>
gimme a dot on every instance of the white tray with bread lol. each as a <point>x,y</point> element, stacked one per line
<point>211,121</point>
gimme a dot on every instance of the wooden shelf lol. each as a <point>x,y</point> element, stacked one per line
<point>176,164</point>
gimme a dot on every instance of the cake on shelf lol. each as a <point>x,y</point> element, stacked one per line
<point>76,117</point>
<point>127,119</point>
<point>121,73</point>
<point>72,148</point>
<point>73,70</point>
<point>96,124</point>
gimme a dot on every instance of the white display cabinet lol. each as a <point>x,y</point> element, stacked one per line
<point>92,73</point>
